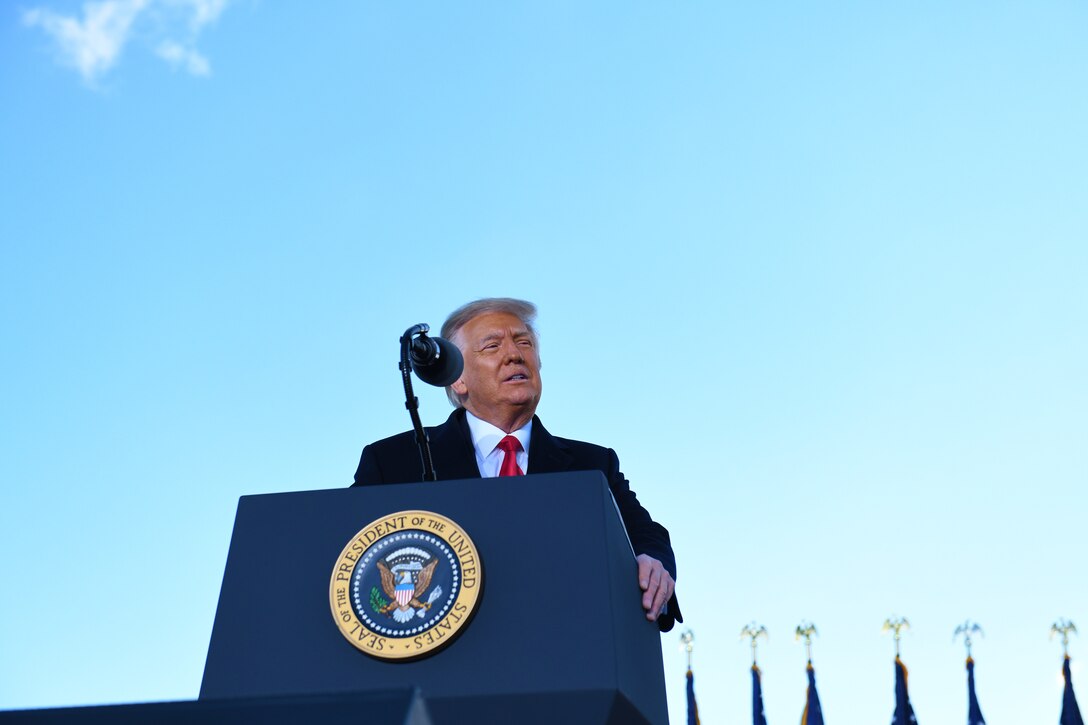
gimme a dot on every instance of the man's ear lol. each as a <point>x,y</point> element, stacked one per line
<point>459,387</point>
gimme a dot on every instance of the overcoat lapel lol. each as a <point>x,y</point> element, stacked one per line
<point>455,458</point>
<point>451,449</point>
<point>546,453</point>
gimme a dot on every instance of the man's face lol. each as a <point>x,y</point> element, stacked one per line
<point>501,380</point>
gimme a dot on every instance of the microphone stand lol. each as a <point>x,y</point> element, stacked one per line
<point>411,402</point>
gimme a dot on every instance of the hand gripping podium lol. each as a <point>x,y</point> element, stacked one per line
<point>558,634</point>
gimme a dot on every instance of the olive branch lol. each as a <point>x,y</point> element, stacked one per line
<point>377,601</point>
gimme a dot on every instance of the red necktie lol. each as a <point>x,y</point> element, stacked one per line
<point>510,446</point>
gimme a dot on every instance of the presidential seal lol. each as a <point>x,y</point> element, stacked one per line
<point>405,585</point>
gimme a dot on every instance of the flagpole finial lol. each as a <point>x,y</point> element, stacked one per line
<point>967,629</point>
<point>754,632</point>
<point>686,640</point>
<point>895,624</point>
<point>1063,627</point>
<point>806,630</point>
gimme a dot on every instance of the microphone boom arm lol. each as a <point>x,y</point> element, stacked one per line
<point>411,402</point>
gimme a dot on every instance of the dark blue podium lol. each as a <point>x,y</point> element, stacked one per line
<point>559,634</point>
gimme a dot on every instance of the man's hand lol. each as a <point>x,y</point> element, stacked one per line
<point>656,583</point>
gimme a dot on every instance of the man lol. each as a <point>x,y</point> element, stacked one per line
<point>495,431</point>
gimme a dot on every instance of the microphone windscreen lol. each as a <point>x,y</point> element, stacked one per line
<point>442,363</point>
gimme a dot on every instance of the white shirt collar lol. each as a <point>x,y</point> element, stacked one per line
<point>485,438</point>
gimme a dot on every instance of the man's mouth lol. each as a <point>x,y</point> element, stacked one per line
<point>517,377</point>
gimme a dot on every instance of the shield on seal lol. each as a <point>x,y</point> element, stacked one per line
<point>406,588</point>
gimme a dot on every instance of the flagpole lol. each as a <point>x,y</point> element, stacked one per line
<point>754,631</point>
<point>974,712</point>
<point>806,629</point>
<point>967,629</point>
<point>1063,627</point>
<point>813,713</point>
<point>1070,709</point>
<point>904,713</point>
<point>896,624</point>
<point>687,640</point>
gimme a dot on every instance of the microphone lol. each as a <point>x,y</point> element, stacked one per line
<point>437,361</point>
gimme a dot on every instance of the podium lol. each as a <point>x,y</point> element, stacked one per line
<point>558,634</point>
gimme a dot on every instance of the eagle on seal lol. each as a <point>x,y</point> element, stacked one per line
<point>401,590</point>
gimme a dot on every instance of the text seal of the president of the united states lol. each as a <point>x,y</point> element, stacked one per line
<point>405,585</point>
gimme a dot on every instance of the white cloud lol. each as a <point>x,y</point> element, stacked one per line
<point>204,11</point>
<point>93,44</point>
<point>181,57</point>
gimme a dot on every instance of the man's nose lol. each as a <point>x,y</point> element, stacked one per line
<point>512,351</point>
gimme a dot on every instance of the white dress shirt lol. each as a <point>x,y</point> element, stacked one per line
<point>485,441</point>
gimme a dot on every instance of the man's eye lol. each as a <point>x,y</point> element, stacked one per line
<point>525,343</point>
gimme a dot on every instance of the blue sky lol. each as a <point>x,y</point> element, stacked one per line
<point>815,271</point>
